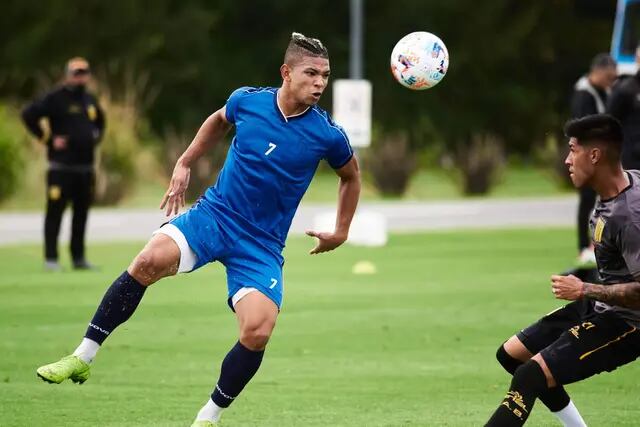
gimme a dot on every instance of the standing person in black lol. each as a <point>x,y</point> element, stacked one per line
<point>590,97</point>
<point>624,104</point>
<point>76,124</point>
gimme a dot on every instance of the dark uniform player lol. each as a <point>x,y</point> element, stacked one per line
<point>76,122</point>
<point>598,331</point>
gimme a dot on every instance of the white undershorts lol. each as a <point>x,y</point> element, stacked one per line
<point>188,257</point>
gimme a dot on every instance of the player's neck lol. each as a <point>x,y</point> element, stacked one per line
<point>611,185</point>
<point>288,105</point>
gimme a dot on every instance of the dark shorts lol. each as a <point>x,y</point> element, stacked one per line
<point>577,342</point>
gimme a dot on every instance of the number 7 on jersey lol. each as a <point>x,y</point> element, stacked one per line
<point>272,147</point>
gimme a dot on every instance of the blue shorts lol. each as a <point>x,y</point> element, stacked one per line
<point>206,234</point>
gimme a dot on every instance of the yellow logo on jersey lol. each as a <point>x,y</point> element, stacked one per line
<point>75,109</point>
<point>597,232</point>
<point>55,192</point>
<point>92,112</point>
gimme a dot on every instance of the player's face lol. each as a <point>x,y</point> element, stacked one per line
<point>579,162</point>
<point>309,78</point>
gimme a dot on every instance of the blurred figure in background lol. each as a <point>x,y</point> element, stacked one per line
<point>76,124</point>
<point>590,97</point>
<point>624,105</point>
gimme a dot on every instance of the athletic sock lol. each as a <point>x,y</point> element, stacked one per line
<point>238,367</point>
<point>570,417</point>
<point>87,350</point>
<point>117,306</point>
<point>209,412</point>
<point>527,384</point>
<point>556,398</point>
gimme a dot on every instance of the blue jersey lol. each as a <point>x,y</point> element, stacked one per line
<point>272,160</point>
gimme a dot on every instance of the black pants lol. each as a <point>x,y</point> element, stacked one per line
<point>62,187</point>
<point>585,206</point>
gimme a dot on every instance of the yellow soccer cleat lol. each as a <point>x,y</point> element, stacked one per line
<point>71,367</point>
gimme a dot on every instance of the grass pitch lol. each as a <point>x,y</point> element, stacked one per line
<point>412,345</point>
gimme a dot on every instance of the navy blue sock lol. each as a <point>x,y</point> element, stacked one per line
<point>238,367</point>
<point>117,306</point>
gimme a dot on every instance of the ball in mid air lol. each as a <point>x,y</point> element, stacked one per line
<point>419,60</point>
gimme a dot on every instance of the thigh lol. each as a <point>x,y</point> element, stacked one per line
<point>82,193</point>
<point>203,234</point>
<point>57,189</point>
<point>545,331</point>
<point>253,265</point>
<point>597,344</point>
<point>256,310</point>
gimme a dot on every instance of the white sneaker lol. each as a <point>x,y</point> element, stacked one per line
<point>587,258</point>
<point>52,265</point>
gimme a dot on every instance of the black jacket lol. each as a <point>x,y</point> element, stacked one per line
<point>71,113</point>
<point>587,99</point>
<point>624,104</point>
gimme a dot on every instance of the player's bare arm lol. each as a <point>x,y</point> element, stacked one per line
<point>214,128</point>
<point>348,195</point>
<point>571,288</point>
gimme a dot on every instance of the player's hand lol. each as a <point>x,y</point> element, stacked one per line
<point>567,287</point>
<point>326,241</point>
<point>174,198</point>
<point>59,142</point>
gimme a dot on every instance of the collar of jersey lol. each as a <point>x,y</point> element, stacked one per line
<point>286,119</point>
<point>623,190</point>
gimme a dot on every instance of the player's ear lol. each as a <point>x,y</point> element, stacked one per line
<point>595,154</point>
<point>285,72</point>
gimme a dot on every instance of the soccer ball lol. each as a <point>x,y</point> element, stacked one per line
<point>419,60</point>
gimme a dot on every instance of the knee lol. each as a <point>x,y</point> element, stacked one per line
<point>508,362</point>
<point>256,337</point>
<point>531,374</point>
<point>147,268</point>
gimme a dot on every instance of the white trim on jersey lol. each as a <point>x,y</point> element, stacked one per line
<point>286,118</point>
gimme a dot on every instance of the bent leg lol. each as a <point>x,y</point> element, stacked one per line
<point>159,258</point>
<point>257,316</point>
<point>512,355</point>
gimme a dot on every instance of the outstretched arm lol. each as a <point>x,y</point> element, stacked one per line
<point>571,288</point>
<point>214,128</point>
<point>348,195</point>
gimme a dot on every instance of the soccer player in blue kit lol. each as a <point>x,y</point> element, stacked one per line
<point>243,220</point>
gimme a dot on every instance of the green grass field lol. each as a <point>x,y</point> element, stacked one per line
<point>412,345</point>
<point>427,184</point>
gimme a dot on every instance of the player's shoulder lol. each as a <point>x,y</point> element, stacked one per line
<point>57,91</point>
<point>330,128</point>
<point>627,205</point>
<point>250,91</point>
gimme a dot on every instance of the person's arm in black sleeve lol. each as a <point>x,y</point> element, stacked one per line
<point>100,122</point>
<point>619,103</point>
<point>32,114</point>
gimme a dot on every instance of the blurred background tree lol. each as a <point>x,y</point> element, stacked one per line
<point>513,65</point>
